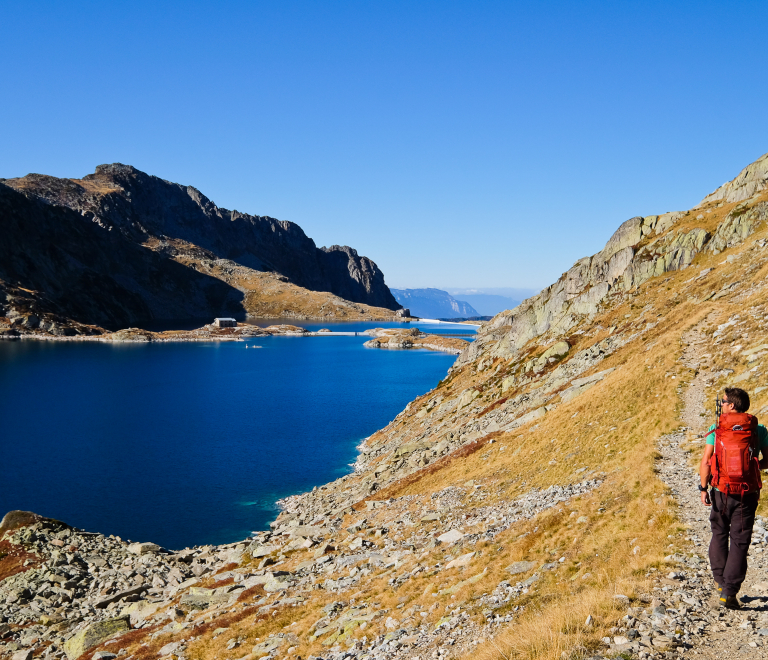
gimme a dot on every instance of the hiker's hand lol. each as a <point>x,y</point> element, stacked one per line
<point>705,498</point>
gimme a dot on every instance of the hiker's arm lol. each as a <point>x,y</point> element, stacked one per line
<point>704,472</point>
<point>761,436</point>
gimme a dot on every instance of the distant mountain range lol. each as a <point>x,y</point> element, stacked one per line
<point>493,300</point>
<point>460,303</point>
<point>489,305</point>
<point>433,304</point>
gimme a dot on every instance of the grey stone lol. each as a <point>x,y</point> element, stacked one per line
<point>451,536</point>
<point>263,551</point>
<point>114,598</point>
<point>94,635</point>
<point>531,580</point>
<point>520,567</point>
<point>143,548</point>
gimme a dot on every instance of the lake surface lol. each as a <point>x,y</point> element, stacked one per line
<point>192,443</point>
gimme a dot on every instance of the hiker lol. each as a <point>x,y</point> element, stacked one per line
<point>730,463</point>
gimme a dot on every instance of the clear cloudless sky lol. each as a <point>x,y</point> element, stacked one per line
<point>457,144</point>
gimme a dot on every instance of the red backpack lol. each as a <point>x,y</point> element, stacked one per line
<point>735,466</point>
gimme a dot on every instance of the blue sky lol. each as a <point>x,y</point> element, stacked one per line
<point>472,144</point>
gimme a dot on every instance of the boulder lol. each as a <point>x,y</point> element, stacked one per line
<point>538,413</point>
<point>450,537</point>
<point>143,548</point>
<point>120,595</point>
<point>560,349</point>
<point>628,234</point>
<point>276,584</point>
<point>308,531</point>
<point>15,519</point>
<point>460,561</point>
<point>140,610</point>
<point>263,551</point>
<point>266,647</point>
<point>579,385</point>
<point>170,647</point>
<point>508,383</point>
<point>200,598</point>
<point>738,225</point>
<point>520,567</point>
<point>467,397</point>
<point>95,634</point>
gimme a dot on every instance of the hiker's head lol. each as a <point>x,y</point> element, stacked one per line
<point>736,399</point>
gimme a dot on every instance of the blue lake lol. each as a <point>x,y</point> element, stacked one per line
<point>192,443</point>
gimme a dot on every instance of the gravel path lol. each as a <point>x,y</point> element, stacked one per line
<point>714,633</point>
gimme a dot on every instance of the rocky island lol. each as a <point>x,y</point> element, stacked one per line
<point>535,504</point>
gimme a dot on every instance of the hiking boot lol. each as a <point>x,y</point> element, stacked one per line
<point>730,602</point>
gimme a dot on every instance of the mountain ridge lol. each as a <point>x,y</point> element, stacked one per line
<point>180,225</point>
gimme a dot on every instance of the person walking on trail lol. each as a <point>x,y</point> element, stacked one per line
<point>730,463</point>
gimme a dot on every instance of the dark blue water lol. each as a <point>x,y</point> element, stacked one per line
<point>191,443</point>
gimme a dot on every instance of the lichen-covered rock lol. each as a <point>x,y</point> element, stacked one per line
<point>94,635</point>
<point>738,224</point>
<point>751,180</point>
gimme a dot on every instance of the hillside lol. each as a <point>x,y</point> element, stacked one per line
<point>535,504</point>
<point>433,304</point>
<point>119,247</point>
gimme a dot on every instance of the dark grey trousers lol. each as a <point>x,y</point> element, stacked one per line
<point>732,518</point>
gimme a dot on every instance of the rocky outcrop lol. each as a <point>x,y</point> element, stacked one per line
<point>738,225</point>
<point>641,248</point>
<point>120,246</point>
<point>413,338</point>
<point>751,180</point>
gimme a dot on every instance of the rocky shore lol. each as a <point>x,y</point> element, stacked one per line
<point>395,338</point>
<point>78,590</point>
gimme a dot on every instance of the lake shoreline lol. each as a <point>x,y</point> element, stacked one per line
<point>396,338</point>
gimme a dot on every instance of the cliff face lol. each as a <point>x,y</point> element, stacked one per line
<point>57,265</point>
<point>640,249</point>
<point>178,223</point>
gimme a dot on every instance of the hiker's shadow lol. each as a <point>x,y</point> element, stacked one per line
<point>755,603</point>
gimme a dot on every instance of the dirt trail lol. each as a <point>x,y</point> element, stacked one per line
<point>725,634</point>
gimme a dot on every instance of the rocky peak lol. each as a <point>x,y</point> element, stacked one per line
<point>146,209</point>
<point>751,180</point>
<point>116,169</point>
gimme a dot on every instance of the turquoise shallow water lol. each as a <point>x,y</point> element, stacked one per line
<point>192,443</point>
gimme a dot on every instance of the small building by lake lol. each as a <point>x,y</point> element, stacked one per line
<point>224,323</point>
